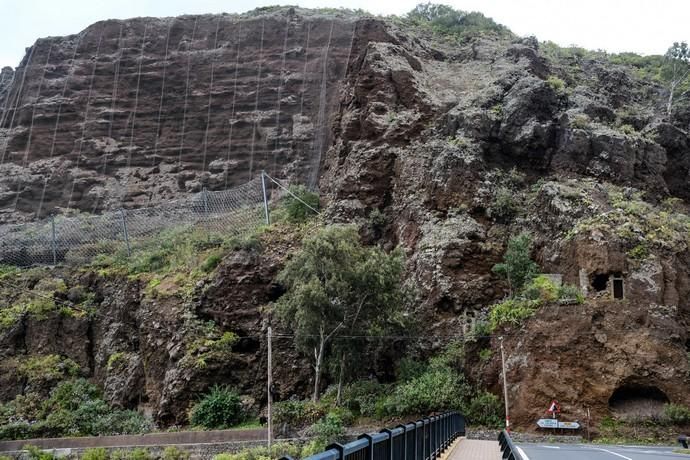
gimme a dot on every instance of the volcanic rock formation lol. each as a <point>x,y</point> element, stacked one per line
<point>452,146</point>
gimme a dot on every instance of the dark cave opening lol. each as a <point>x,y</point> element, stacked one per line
<point>638,400</point>
<point>600,282</point>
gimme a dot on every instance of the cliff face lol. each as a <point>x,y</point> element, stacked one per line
<point>139,111</point>
<point>457,146</point>
<point>462,147</point>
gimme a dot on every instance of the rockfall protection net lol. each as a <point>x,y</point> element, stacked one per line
<point>78,239</point>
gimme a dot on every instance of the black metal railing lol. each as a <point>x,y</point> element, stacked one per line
<point>424,439</point>
<point>508,450</point>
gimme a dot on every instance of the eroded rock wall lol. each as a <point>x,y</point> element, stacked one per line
<point>127,113</point>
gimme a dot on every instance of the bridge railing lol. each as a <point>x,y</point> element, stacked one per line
<point>508,450</point>
<point>424,439</point>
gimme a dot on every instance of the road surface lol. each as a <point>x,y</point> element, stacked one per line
<point>597,452</point>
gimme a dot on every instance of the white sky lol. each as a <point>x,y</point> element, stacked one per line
<point>643,26</point>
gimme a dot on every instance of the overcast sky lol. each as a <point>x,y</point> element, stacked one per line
<point>643,26</point>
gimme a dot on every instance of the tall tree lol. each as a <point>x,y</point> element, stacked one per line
<point>517,266</point>
<point>676,71</point>
<point>337,287</point>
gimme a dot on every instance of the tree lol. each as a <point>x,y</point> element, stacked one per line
<point>447,20</point>
<point>517,267</point>
<point>676,71</point>
<point>335,286</point>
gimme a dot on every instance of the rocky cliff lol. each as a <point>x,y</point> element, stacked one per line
<point>127,113</point>
<point>444,147</point>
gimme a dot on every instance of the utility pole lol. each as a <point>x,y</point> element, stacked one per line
<point>505,386</point>
<point>270,389</point>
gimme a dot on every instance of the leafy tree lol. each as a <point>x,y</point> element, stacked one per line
<point>335,286</point>
<point>676,72</point>
<point>446,20</point>
<point>517,266</point>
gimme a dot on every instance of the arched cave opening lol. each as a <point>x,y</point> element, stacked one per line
<point>638,400</point>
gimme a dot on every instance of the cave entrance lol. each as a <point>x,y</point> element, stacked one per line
<point>603,282</point>
<point>636,401</point>
<point>600,282</point>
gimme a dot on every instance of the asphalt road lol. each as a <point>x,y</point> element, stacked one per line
<point>596,452</point>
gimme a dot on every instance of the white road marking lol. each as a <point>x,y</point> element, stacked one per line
<point>522,453</point>
<point>616,454</point>
<point>550,447</point>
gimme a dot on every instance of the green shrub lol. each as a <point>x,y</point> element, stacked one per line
<point>209,346</point>
<point>74,408</point>
<point>480,328</point>
<point>485,354</point>
<point>627,129</point>
<point>140,454</point>
<point>452,356</point>
<point>173,453</point>
<point>447,21</point>
<point>570,292</point>
<point>261,452</point>
<point>328,429</point>
<point>298,413</point>
<point>98,453</point>
<point>580,122</point>
<point>313,447</point>
<point>211,263</point>
<point>485,410</point>
<point>219,409</point>
<point>40,369</point>
<point>677,414</point>
<point>292,210</point>
<point>119,454</point>
<point>541,288</point>
<point>639,252</point>
<point>364,397</point>
<point>512,311</point>
<point>16,430</point>
<point>556,83</point>
<point>115,359</point>
<point>503,204</point>
<point>36,453</point>
<point>409,368</point>
<point>434,390</point>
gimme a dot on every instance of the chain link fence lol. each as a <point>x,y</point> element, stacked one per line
<point>79,239</point>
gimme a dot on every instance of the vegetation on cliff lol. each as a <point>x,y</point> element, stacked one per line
<point>338,290</point>
<point>73,408</point>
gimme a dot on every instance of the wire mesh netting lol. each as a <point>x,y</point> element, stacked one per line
<point>78,239</point>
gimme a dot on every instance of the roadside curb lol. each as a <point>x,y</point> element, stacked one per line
<point>447,454</point>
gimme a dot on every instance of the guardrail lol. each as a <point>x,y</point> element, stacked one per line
<point>508,450</point>
<point>424,439</point>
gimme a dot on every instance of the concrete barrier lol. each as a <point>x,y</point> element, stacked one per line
<point>142,440</point>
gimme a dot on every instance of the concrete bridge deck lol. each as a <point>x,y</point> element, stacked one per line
<point>472,449</point>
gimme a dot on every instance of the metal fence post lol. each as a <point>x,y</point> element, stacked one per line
<point>204,194</point>
<point>53,240</point>
<point>124,230</point>
<point>263,189</point>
